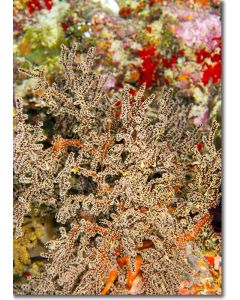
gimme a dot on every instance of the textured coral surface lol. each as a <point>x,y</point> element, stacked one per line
<point>117,148</point>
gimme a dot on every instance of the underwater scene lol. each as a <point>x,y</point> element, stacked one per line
<point>117,147</point>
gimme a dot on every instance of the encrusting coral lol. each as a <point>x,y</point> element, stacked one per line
<point>130,192</point>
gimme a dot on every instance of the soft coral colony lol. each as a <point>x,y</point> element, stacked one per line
<point>131,193</point>
<point>158,42</point>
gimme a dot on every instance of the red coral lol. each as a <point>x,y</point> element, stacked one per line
<point>180,53</point>
<point>202,55</point>
<point>212,68</point>
<point>125,12</point>
<point>200,146</point>
<point>149,28</point>
<point>148,70</point>
<point>147,52</point>
<point>210,260</point>
<point>64,26</point>
<point>153,2</point>
<point>48,4</point>
<point>170,62</point>
<point>132,92</point>
<point>216,58</point>
<point>213,72</point>
<point>34,5</point>
<point>119,85</point>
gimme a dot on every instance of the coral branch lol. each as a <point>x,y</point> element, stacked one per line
<point>112,277</point>
<point>183,238</point>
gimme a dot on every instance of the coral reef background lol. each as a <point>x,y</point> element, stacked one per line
<point>144,46</point>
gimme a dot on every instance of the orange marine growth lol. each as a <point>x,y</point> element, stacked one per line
<point>111,278</point>
<point>198,227</point>
<point>145,245</point>
<point>74,231</point>
<point>125,260</point>
<point>133,274</point>
<point>96,229</point>
<point>191,237</point>
<point>122,261</point>
<point>61,144</point>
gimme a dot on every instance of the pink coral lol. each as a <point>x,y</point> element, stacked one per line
<point>197,28</point>
<point>110,83</point>
<point>200,31</point>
